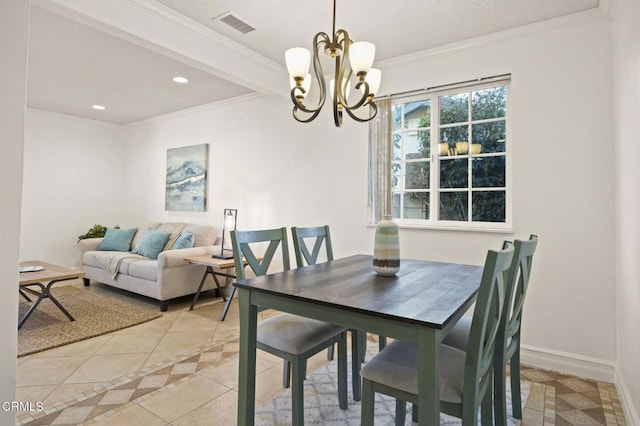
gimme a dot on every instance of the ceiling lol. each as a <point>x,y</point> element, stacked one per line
<point>84,53</point>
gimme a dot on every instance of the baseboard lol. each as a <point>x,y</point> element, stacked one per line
<point>631,415</point>
<point>576,365</point>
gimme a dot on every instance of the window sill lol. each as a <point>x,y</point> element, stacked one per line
<point>506,230</point>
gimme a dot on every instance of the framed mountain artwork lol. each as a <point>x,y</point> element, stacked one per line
<point>186,182</point>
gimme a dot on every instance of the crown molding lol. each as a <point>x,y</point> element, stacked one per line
<point>199,108</point>
<point>160,29</point>
<point>542,26</point>
<point>608,7</point>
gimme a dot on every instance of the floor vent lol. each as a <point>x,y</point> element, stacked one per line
<point>235,23</point>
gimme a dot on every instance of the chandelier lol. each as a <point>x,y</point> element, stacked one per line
<point>350,59</point>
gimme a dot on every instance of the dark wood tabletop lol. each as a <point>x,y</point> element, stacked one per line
<point>423,292</point>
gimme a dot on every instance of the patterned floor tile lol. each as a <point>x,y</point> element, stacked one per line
<point>556,399</point>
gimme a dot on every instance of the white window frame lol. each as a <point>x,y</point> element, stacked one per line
<point>434,184</point>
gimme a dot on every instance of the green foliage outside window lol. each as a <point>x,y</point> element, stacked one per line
<point>487,171</point>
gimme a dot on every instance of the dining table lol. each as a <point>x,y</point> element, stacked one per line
<point>420,304</point>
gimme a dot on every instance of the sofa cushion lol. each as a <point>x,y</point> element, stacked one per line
<point>173,228</point>
<point>88,259</point>
<point>145,269</point>
<point>140,234</point>
<point>117,239</point>
<point>203,235</point>
<point>152,243</point>
<point>185,240</point>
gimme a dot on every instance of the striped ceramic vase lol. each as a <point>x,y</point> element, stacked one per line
<point>386,249</point>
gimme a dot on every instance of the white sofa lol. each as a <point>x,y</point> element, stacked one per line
<point>168,277</point>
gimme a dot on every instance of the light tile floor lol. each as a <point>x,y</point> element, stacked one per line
<point>181,370</point>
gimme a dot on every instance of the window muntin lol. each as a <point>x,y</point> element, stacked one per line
<point>454,173</point>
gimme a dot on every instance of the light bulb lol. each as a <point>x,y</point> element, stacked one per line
<point>373,79</point>
<point>361,56</point>
<point>298,60</point>
<point>306,84</point>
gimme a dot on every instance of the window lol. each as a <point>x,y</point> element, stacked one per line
<point>448,158</point>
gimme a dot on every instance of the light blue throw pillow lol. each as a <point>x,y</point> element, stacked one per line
<point>185,240</point>
<point>152,243</point>
<point>117,239</point>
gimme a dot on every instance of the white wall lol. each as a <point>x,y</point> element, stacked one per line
<point>563,168</point>
<point>14,18</point>
<point>278,172</point>
<point>74,177</point>
<point>275,171</point>
<point>626,60</point>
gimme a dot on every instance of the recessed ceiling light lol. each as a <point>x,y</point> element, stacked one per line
<point>181,80</point>
<point>99,107</point>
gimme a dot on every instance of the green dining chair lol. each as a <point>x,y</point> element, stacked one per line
<point>508,340</point>
<point>466,378</point>
<point>320,236</point>
<point>291,337</point>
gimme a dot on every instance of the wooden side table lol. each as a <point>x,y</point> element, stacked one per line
<point>217,268</point>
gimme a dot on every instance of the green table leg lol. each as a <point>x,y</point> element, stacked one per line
<point>428,377</point>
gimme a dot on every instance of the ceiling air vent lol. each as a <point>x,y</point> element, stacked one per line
<point>235,23</point>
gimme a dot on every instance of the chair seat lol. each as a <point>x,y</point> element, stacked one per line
<point>295,334</point>
<point>396,367</point>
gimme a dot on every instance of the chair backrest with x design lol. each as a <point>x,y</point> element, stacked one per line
<point>484,327</point>
<point>517,283</point>
<point>303,254</point>
<point>241,241</point>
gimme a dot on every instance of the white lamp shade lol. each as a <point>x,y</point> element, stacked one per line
<point>298,60</point>
<point>361,56</point>
<point>373,79</point>
<point>306,84</point>
<point>344,81</point>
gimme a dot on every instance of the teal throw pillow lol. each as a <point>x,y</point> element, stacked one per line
<point>185,240</point>
<point>117,239</point>
<point>152,243</point>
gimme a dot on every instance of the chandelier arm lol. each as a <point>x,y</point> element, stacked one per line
<point>297,91</point>
<point>363,100</point>
<point>305,120</point>
<point>337,93</point>
<point>342,37</point>
<point>373,111</point>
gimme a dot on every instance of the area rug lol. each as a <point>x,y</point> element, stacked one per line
<point>48,327</point>
<point>321,404</point>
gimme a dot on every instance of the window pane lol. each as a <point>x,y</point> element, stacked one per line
<point>454,173</point>
<point>454,108</point>
<point>416,145</point>
<point>417,114</point>
<point>395,205</point>
<point>397,146</point>
<point>416,205</point>
<point>424,143</point>
<point>488,206</point>
<point>397,117</point>
<point>454,206</point>
<point>454,135</point>
<point>417,175</point>
<point>488,172</point>
<point>491,136</point>
<point>489,103</point>
<point>396,177</point>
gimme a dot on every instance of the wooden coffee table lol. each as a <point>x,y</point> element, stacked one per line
<point>43,280</point>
